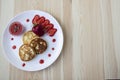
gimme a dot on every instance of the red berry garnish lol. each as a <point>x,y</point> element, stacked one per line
<point>38,30</point>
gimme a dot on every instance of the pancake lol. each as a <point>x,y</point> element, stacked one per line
<point>26,52</point>
<point>39,45</point>
<point>28,36</point>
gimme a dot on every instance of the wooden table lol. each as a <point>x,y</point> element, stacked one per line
<point>91,33</point>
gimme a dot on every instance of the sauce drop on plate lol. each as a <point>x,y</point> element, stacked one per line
<point>27,20</point>
<point>41,61</point>
<point>49,55</point>
<point>12,38</point>
<point>23,64</point>
<point>53,48</point>
<point>54,40</point>
<point>14,46</point>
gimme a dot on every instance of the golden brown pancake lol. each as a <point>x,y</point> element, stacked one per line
<point>39,45</point>
<point>28,36</point>
<point>26,52</point>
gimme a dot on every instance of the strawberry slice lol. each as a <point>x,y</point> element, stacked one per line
<point>52,32</point>
<point>45,23</point>
<point>41,20</point>
<point>48,27</point>
<point>36,17</point>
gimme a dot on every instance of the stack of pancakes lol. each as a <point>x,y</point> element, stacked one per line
<point>32,45</point>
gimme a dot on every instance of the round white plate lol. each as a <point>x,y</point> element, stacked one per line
<point>13,54</point>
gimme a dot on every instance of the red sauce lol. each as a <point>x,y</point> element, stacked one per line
<point>12,38</point>
<point>23,65</point>
<point>54,40</point>
<point>49,55</point>
<point>15,28</point>
<point>27,20</point>
<point>53,48</point>
<point>14,46</point>
<point>41,61</point>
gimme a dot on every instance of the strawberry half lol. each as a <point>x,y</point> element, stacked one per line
<point>41,20</point>
<point>37,29</point>
<point>52,32</point>
<point>48,27</point>
<point>34,21</point>
<point>45,23</point>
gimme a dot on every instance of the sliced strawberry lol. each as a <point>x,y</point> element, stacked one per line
<point>36,17</point>
<point>41,20</point>
<point>48,27</point>
<point>52,32</point>
<point>45,23</point>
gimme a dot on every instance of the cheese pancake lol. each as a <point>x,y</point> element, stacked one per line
<point>26,52</point>
<point>39,45</point>
<point>28,36</point>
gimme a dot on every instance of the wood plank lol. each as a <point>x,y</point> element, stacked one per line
<point>87,41</point>
<point>108,41</point>
<point>6,13</point>
<point>110,15</point>
<point>115,11</point>
<point>68,41</point>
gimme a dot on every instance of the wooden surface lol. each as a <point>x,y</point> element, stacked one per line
<point>92,39</point>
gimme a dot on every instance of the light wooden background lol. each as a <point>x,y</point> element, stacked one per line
<point>92,39</point>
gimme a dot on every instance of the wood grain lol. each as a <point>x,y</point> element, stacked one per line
<point>91,30</point>
<point>5,15</point>
<point>88,46</point>
<point>111,36</point>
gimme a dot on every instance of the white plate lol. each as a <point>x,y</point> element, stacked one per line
<point>32,65</point>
